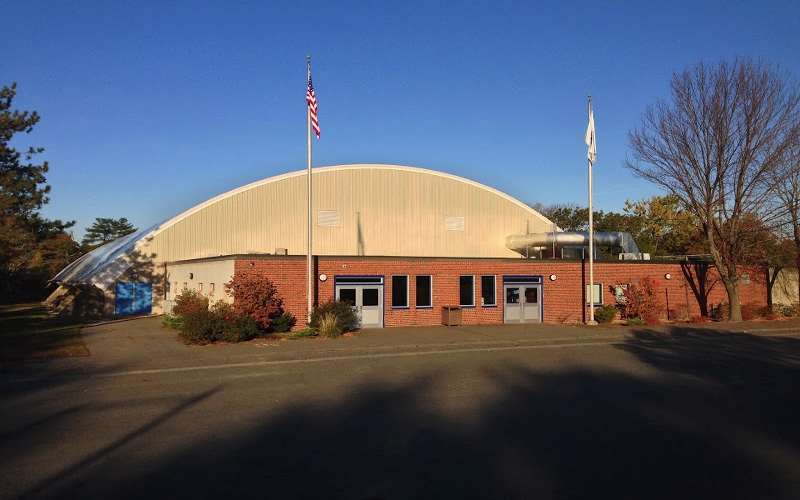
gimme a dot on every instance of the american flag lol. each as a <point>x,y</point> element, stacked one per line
<point>311,99</point>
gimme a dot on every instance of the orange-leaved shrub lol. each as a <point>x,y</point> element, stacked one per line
<point>257,297</point>
<point>643,300</point>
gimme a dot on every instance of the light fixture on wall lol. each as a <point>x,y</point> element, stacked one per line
<point>135,275</point>
<point>667,276</point>
<point>252,263</point>
<point>552,277</point>
<point>323,277</point>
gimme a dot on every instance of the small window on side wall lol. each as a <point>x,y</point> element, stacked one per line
<point>424,293</point>
<point>488,290</point>
<point>466,291</point>
<point>597,294</point>
<point>400,292</point>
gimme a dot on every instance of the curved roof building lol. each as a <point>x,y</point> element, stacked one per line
<point>404,245</point>
<point>359,210</point>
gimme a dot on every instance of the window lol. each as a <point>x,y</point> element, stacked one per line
<point>200,287</point>
<point>211,289</point>
<point>185,286</point>
<point>424,291</point>
<point>488,297</point>
<point>400,291</point>
<point>597,295</point>
<point>466,290</point>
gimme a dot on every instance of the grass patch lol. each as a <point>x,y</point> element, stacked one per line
<point>28,332</point>
<point>305,333</point>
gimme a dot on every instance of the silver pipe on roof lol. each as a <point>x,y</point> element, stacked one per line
<point>522,243</point>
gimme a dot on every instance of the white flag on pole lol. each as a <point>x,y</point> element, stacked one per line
<point>590,139</point>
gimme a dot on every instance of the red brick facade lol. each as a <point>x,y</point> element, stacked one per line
<point>562,298</point>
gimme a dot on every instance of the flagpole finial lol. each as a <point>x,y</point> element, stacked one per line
<point>309,58</point>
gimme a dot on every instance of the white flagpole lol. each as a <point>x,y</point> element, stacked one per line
<point>309,282</point>
<point>591,222</point>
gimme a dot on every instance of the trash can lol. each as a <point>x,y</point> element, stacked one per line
<point>451,315</point>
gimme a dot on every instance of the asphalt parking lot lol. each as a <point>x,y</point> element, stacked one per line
<point>522,411</point>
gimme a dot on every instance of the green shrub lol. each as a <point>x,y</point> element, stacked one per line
<point>172,321</point>
<point>634,321</point>
<point>605,314</point>
<point>282,323</point>
<point>346,319</point>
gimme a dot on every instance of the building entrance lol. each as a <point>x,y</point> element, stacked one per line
<point>365,295</point>
<point>522,299</point>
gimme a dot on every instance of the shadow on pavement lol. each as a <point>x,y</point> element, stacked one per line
<point>720,421</point>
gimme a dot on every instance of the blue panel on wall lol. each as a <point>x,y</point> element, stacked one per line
<point>124,302</point>
<point>142,298</point>
<point>134,298</point>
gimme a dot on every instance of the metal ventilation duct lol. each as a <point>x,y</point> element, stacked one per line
<point>525,243</point>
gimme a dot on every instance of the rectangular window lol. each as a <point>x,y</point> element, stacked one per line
<point>466,290</point>
<point>185,286</point>
<point>400,291</point>
<point>424,291</point>
<point>488,290</point>
<point>211,289</point>
<point>200,287</point>
<point>597,294</point>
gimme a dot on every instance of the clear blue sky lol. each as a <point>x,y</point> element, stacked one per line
<point>151,107</point>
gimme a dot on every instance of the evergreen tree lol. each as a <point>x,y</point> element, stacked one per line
<point>22,194</point>
<point>104,230</point>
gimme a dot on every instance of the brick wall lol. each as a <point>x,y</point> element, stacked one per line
<point>562,298</point>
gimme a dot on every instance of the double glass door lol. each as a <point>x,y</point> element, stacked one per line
<point>366,300</point>
<point>522,303</point>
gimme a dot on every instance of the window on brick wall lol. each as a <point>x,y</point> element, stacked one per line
<point>597,294</point>
<point>400,291</point>
<point>466,291</point>
<point>424,291</point>
<point>488,290</point>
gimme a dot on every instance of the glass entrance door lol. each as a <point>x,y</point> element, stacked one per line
<point>522,302</point>
<point>366,300</point>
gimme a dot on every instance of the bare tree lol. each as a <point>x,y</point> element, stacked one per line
<point>787,189</point>
<point>716,145</point>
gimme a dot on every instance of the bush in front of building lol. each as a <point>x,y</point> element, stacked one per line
<point>643,299</point>
<point>282,323</point>
<point>200,322</point>
<point>257,297</point>
<point>341,314</point>
<point>188,302</point>
<point>605,314</point>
